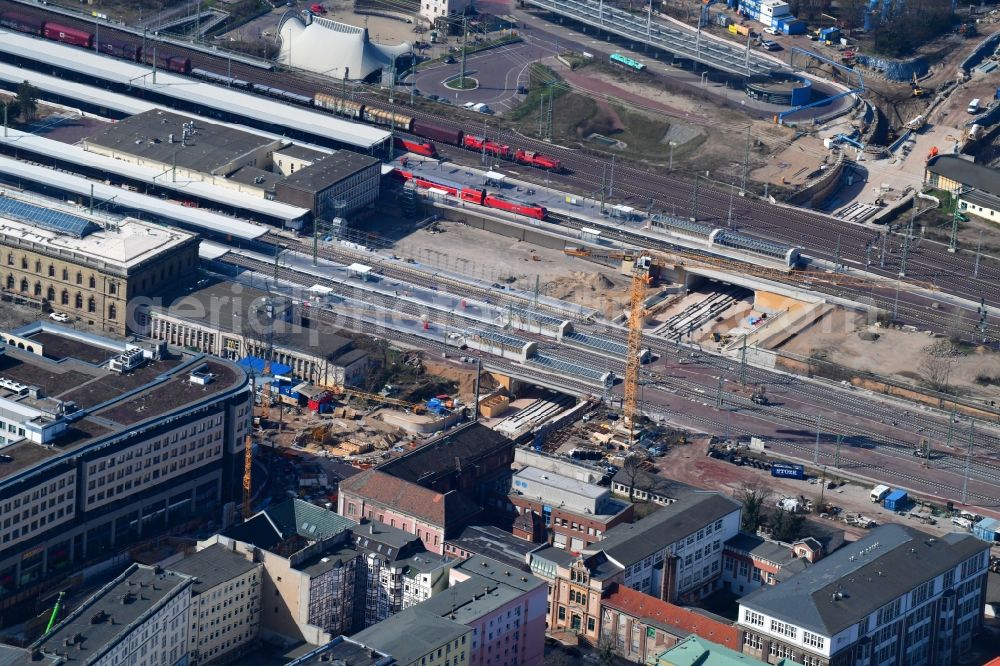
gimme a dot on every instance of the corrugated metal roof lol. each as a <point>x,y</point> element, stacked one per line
<point>194,217</point>
<point>192,91</point>
<point>184,186</point>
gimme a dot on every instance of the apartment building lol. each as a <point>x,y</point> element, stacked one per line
<point>140,452</point>
<point>140,618</point>
<point>225,604</point>
<point>346,651</point>
<point>325,575</point>
<point>576,585</point>
<point>395,572</point>
<point>415,637</point>
<point>79,266</point>
<point>641,627</point>
<point>310,569</point>
<point>504,606</point>
<point>576,514</point>
<point>898,597</point>
<point>436,489</point>
<point>675,553</point>
<point>750,561</point>
<point>233,321</point>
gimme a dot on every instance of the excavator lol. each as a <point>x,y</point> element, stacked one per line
<point>917,89</point>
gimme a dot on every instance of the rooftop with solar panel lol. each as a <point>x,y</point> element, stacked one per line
<point>82,238</point>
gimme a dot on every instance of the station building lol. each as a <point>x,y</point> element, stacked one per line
<point>126,453</point>
<point>977,186</point>
<point>85,267</point>
<point>189,148</point>
<point>233,321</point>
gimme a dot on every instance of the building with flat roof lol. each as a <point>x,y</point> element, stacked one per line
<point>416,637</point>
<point>646,487</point>
<point>233,321</point>
<point>898,596</point>
<point>492,542</point>
<point>225,604</point>
<point>78,265</point>
<point>330,184</point>
<point>504,606</point>
<point>346,651</point>
<point>141,617</point>
<point>137,451</point>
<point>675,553</point>
<point>577,514</point>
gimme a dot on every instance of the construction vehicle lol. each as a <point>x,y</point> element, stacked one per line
<point>917,123</point>
<point>917,89</point>
<point>759,396</point>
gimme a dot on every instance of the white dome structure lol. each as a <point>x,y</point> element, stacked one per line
<point>330,47</point>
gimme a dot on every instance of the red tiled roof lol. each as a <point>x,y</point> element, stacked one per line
<point>409,498</point>
<point>644,606</point>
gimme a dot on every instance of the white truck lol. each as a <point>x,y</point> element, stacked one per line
<point>879,492</point>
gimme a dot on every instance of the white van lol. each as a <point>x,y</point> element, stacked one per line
<point>974,106</point>
<point>879,492</point>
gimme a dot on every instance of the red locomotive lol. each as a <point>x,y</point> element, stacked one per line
<point>531,158</point>
<point>484,198</point>
<point>482,143</point>
<point>425,148</point>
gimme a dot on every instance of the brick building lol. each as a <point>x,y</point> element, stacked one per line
<point>641,627</point>
<point>574,513</point>
<point>435,490</point>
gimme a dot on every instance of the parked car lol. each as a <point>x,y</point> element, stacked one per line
<point>772,31</point>
<point>768,45</point>
<point>59,316</point>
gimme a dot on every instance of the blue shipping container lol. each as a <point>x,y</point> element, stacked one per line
<point>788,470</point>
<point>897,500</point>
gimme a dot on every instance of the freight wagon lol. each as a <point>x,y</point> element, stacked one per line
<point>67,35</point>
<point>437,133</point>
<point>788,470</point>
<point>22,23</point>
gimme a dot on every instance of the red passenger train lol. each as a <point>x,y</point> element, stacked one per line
<point>476,196</point>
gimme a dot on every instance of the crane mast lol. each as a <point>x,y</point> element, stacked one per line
<point>633,359</point>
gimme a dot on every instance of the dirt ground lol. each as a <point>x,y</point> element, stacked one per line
<point>896,353</point>
<point>691,464</point>
<point>463,375</point>
<point>498,258</point>
<point>793,165</point>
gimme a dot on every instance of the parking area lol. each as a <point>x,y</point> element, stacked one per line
<point>498,71</point>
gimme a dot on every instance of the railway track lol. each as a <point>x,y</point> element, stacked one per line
<point>819,235</point>
<point>889,447</point>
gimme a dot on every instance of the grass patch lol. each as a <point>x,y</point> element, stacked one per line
<point>468,83</point>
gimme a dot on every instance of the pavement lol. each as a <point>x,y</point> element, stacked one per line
<point>499,72</point>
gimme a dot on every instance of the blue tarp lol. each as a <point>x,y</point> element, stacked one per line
<point>257,364</point>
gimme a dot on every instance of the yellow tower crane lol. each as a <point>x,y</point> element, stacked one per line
<point>633,355</point>
<point>247,476</point>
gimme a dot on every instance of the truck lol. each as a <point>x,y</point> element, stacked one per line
<point>879,492</point>
<point>974,106</point>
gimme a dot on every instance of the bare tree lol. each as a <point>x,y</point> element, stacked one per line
<point>632,471</point>
<point>936,365</point>
<point>754,495</point>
